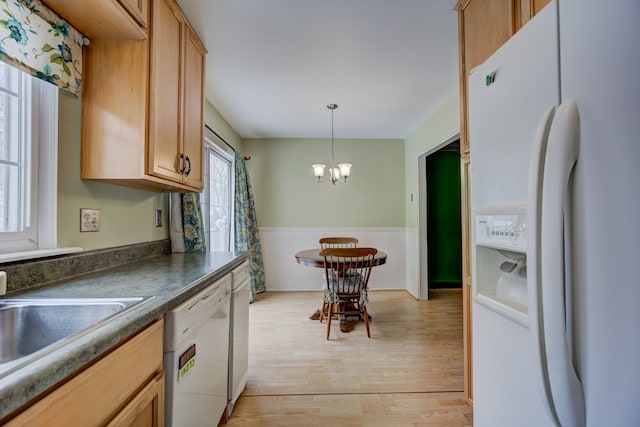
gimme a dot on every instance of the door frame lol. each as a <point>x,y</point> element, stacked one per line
<point>423,293</point>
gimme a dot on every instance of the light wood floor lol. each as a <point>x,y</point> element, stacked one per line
<point>409,373</point>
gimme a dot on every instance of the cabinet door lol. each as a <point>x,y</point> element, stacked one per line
<point>483,26</point>
<point>146,409</point>
<point>138,9</point>
<point>193,117</point>
<point>165,100</point>
<point>487,25</point>
<point>105,19</point>
<point>527,9</point>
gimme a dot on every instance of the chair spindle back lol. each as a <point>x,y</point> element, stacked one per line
<point>338,242</point>
<point>348,269</point>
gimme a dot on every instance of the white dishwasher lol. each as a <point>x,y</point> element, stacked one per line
<point>196,357</point>
<point>239,335</point>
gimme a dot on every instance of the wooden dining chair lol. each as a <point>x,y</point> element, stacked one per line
<point>347,272</point>
<point>333,242</point>
<point>338,242</point>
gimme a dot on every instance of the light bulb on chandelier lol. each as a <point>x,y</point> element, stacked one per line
<point>336,174</point>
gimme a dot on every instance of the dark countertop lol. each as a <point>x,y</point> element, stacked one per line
<point>169,279</point>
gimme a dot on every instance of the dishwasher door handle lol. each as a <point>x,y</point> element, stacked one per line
<point>203,299</point>
<point>213,294</point>
<point>243,285</point>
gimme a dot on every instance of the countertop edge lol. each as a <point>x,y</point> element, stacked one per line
<point>22,386</point>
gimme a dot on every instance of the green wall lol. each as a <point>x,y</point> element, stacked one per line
<point>126,214</point>
<point>215,121</point>
<point>443,124</point>
<point>377,195</point>
<point>287,195</point>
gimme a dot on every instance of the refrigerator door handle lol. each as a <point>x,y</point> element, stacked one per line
<point>534,303</point>
<point>561,156</point>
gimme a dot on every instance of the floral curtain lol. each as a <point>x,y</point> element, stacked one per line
<point>36,40</point>
<point>247,237</point>
<point>186,225</point>
<point>192,224</point>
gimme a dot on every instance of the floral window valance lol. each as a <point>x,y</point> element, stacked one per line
<point>39,42</point>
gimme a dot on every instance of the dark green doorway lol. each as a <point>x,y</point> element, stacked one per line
<point>444,229</point>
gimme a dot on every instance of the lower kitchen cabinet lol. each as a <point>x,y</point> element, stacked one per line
<point>146,409</point>
<point>123,388</point>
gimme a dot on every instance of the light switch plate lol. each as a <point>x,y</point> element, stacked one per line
<point>158,217</point>
<point>89,220</point>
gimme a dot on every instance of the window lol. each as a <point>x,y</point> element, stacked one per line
<point>28,161</point>
<point>217,199</point>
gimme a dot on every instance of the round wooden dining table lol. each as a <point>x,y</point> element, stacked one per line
<point>312,258</point>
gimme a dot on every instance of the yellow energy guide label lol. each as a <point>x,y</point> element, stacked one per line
<point>186,362</point>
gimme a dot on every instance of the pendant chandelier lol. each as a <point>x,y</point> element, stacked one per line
<point>336,174</point>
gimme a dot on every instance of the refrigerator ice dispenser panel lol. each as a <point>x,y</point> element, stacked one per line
<point>500,282</point>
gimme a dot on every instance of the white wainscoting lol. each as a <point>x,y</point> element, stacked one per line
<point>413,263</point>
<point>283,273</point>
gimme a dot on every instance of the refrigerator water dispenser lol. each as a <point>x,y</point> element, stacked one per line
<point>500,262</point>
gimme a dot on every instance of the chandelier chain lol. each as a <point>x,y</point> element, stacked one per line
<point>333,154</point>
<point>336,174</point>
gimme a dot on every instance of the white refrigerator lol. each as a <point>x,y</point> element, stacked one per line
<point>554,122</point>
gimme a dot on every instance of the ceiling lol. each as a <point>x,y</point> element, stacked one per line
<point>274,65</point>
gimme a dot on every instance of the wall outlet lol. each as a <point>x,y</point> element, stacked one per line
<point>89,220</point>
<point>158,217</point>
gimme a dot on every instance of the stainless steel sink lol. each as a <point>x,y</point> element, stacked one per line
<point>32,327</point>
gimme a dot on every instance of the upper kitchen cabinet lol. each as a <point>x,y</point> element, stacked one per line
<point>193,115</point>
<point>139,10</point>
<point>143,106</point>
<point>484,26</point>
<point>526,9</point>
<point>105,19</point>
<point>177,87</point>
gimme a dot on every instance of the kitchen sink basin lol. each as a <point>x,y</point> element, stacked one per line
<point>30,328</point>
